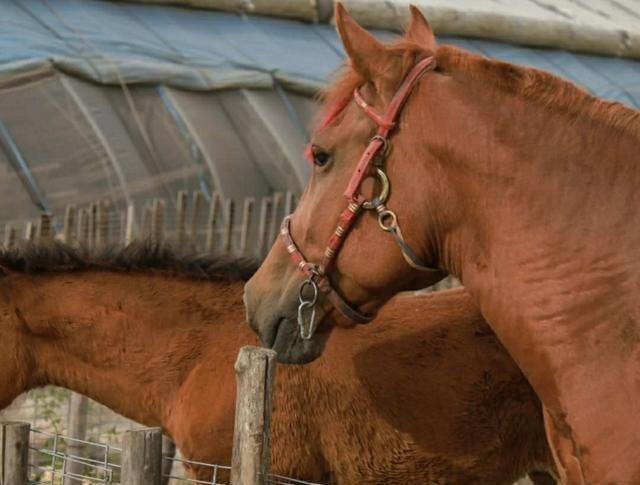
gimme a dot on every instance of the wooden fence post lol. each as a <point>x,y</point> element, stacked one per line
<point>77,429</point>
<point>181,218</point>
<point>142,457</point>
<point>130,223</point>
<point>122,236</point>
<point>196,211</point>
<point>93,225</point>
<point>83,227</point>
<point>44,227</point>
<point>103,212</point>
<point>157,221</point>
<point>14,453</point>
<point>263,226</point>
<point>147,213</point>
<point>212,222</point>
<point>9,236</point>
<point>227,233</point>
<point>246,221</point>
<point>255,373</point>
<point>67,224</point>
<point>29,231</point>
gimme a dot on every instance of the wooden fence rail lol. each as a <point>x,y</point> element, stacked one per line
<point>245,228</point>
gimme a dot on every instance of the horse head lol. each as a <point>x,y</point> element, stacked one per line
<point>365,165</point>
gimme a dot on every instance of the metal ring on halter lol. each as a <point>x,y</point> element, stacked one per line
<point>390,217</point>
<point>384,150</point>
<point>314,286</point>
<point>384,192</point>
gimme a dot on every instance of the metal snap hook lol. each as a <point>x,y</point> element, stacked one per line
<point>306,331</point>
<point>307,304</point>
<point>384,192</point>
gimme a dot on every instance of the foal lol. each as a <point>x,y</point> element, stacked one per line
<point>428,397</point>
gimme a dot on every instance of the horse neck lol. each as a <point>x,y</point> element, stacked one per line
<point>534,190</point>
<point>539,160</point>
<point>522,173</point>
<point>128,341</point>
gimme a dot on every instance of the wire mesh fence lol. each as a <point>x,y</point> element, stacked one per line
<point>56,459</point>
<point>220,474</point>
<point>280,480</point>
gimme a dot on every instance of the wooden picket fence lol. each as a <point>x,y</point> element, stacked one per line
<point>215,226</point>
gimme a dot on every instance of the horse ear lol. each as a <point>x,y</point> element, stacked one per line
<point>366,54</point>
<point>419,30</point>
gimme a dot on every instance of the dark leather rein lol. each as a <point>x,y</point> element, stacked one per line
<point>370,164</point>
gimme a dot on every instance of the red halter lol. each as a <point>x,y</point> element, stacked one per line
<point>371,159</point>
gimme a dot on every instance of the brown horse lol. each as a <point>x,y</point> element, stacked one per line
<point>155,338</point>
<point>517,182</point>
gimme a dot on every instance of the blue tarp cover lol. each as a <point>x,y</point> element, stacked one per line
<point>114,42</point>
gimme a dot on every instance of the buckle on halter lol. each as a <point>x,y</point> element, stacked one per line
<point>384,191</point>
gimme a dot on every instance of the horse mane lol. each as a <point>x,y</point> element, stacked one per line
<point>538,86</point>
<point>141,256</point>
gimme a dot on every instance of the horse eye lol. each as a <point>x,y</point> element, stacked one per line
<point>320,157</point>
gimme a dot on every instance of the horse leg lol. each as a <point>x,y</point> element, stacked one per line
<point>562,449</point>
